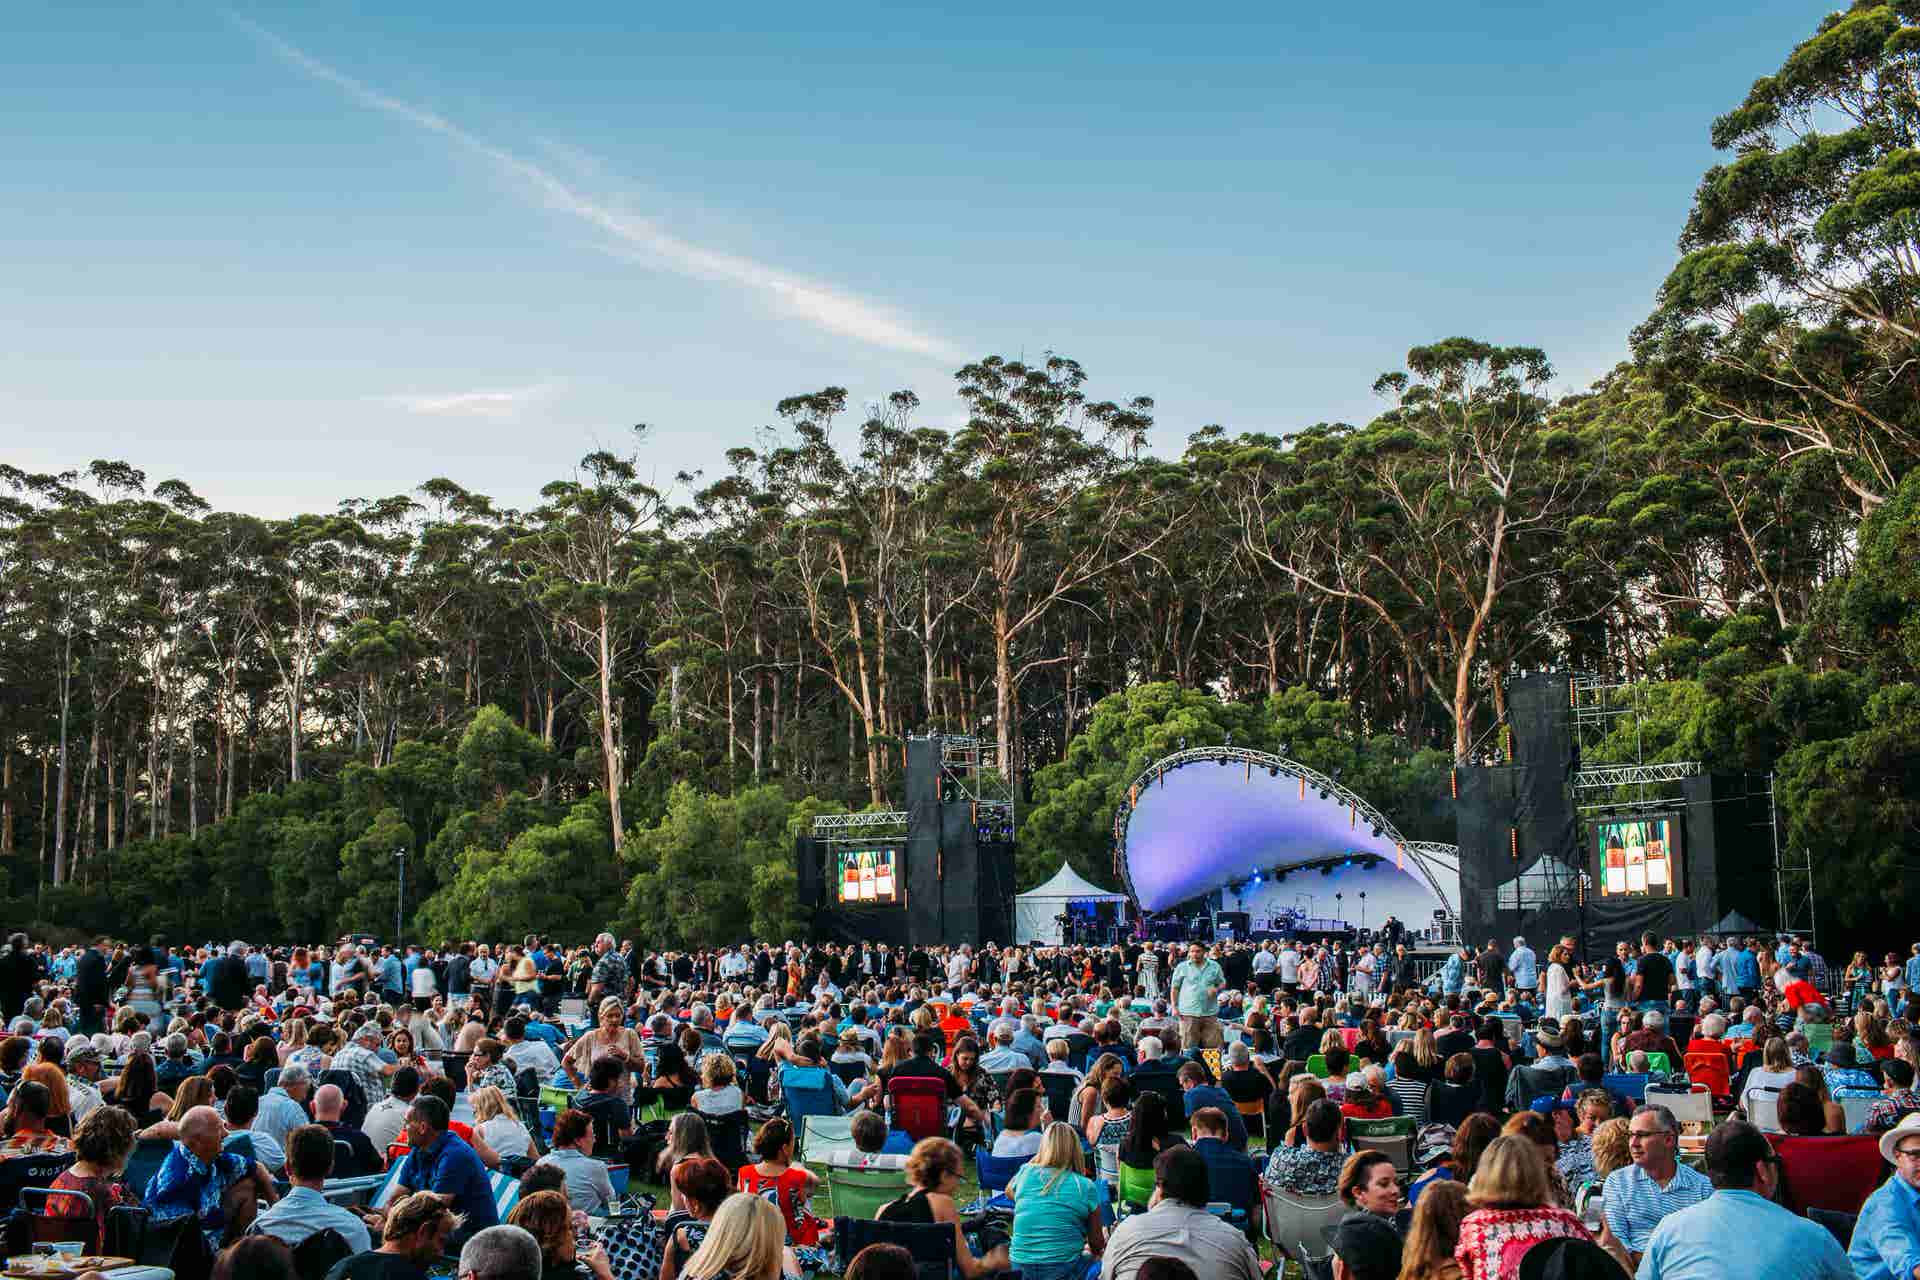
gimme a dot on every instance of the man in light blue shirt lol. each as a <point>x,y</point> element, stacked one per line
<point>1196,998</point>
<point>1524,966</point>
<point>1912,973</point>
<point>1886,1237</point>
<point>1740,1223</point>
<point>280,1110</point>
<point>1655,1186</point>
<point>304,1210</point>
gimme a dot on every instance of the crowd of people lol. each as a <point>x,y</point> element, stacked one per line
<point>1154,1098</point>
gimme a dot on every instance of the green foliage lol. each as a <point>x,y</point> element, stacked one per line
<point>560,878</point>
<point>690,870</point>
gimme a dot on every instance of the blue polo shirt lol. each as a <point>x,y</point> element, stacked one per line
<point>450,1167</point>
<point>1886,1238</point>
<point>1699,1242</point>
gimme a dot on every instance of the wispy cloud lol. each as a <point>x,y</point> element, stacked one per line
<point>468,404</point>
<point>822,305</point>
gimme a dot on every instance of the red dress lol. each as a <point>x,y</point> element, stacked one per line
<point>1492,1241</point>
<point>788,1194</point>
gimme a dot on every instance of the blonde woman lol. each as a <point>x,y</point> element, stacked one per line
<point>779,1045</point>
<point>293,1037</point>
<point>611,1037</point>
<point>1050,1191</point>
<point>1511,1196</point>
<point>495,1119</point>
<point>747,1241</point>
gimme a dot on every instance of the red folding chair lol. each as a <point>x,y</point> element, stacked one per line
<point>919,1106</point>
<point>1709,1067</point>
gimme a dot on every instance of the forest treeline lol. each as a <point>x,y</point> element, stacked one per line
<point>622,701</point>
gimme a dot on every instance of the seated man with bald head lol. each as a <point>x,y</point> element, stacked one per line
<point>222,1189</point>
<point>329,1108</point>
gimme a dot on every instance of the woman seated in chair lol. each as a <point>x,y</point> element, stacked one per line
<point>103,1144</point>
<point>1057,1210</point>
<point>1813,1078</point>
<point>742,1244</point>
<point>933,1174</point>
<point>700,1184</point>
<point>850,1052</point>
<point>1110,1125</point>
<point>487,1069</point>
<point>499,1124</point>
<point>1150,1133</point>
<point>1086,1097</point>
<point>775,1176</point>
<point>546,1216</point>
<point>1020,1134</point>
<point>719,1094</point>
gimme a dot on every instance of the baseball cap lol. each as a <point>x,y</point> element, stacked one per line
<point>1369,1246</point>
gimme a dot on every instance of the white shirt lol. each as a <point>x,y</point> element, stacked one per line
<point>957,966</point>
<point>532,1053</point>
<point>1289,965</point>
<point>506,1135</point>
<point>83,1097</point>
<point>384,1123</point>
<point>1703,961</point>
<point>1263,961</point>
<point>423,983</point>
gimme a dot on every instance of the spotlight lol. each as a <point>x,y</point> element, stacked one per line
<point>1376,831</point>
<point>1348,862</point>
<point>1326,868</point>
<point>1225,761</point>
<point>1273,771</point>
<point>1282,751</point>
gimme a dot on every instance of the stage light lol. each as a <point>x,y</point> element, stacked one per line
<point>1376,831</point>
<point>1282,751</point>
<point>1225,761</point>
<point>1273,771</point>
<point>1326,868</point>
<point>1349,862</point>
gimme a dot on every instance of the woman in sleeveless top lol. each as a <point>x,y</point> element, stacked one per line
<point>933,1174</point>
<point>774,1177</point>
<point>103,1144</point>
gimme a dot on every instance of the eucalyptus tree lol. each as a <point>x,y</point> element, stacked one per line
<point>1052,509</point>
<point>586,557</point>
<point>1795,310</point>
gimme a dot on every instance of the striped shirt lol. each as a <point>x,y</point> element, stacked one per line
<point>1636,1203</point>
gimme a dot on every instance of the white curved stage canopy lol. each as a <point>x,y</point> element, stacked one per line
<point>1229,817</point>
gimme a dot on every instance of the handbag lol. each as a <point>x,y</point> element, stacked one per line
<point>634,1241</point>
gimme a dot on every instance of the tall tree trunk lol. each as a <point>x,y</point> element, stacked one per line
<point>60,792</point>
<point>113,835</point>
<point>193,778</point>
<point>609,740</point>
<point>1003,681</point>
<point>6,801</point>
<point>759,685</point>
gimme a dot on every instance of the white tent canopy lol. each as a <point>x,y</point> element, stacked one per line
<point>1034,910</point>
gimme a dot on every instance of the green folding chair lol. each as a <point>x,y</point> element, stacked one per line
<point>862,1193</point>
<point>1135,1186</point>
<point>1317,1064</point>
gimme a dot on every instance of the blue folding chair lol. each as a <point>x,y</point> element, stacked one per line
<point>996,1171</point>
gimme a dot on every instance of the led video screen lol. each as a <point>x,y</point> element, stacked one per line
<point>1638,857</point>
<point>868,877</point>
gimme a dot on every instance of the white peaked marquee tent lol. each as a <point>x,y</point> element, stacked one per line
<point>1034,910</point>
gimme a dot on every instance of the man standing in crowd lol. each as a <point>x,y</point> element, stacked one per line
<point>609,973</point>
<point>1196,997</point>
<point>1525,968</point>
<point>1489,967</point>
<point>1652,978</point>
<point>1641,1195</point>
<point>1740,1220</point>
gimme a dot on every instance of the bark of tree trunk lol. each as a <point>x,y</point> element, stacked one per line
<point>609,743</point>
<point>6,801</point>
<point>60,792</point>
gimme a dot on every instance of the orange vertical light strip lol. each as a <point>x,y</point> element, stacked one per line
<point>1400,857</point>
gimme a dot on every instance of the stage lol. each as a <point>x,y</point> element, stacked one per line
<point>1277,845</point>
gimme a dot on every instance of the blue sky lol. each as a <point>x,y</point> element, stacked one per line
<point>329,250</point>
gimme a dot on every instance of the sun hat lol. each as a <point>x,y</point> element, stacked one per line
<point>1909,1127</point>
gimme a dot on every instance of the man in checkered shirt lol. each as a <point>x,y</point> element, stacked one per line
<point>361,1058</point>
<point>610,976</point>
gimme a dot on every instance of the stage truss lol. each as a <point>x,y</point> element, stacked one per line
<point>1422,854</point>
